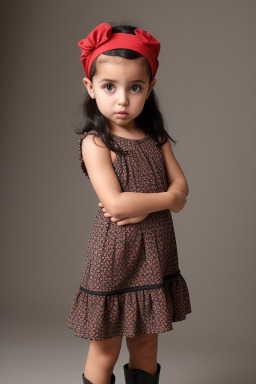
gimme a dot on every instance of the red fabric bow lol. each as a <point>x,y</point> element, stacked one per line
<point>148,39</point>
<point>142,42</point>
<point>97,37</point>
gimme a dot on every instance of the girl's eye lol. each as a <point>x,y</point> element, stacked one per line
<point>136,85</point>
<point>110,85</point>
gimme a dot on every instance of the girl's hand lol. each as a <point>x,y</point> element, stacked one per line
<point>128,220</point>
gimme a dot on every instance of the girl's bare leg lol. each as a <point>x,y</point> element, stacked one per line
<point>101,359</point>
<point>143,352</point>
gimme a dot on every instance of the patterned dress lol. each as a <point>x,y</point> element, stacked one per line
<point>131,283</point>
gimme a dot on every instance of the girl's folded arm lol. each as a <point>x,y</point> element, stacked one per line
<point>131,204</point>
<point>119,204</point>
<point>97,159</point>
<point>175,176</point>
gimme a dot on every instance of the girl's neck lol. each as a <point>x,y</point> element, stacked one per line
<point>130,132</point>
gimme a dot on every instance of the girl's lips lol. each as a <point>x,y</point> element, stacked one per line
<point>121,114</point>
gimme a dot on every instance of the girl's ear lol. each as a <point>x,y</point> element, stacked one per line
<point>88,85</point>
<point>151,85</point>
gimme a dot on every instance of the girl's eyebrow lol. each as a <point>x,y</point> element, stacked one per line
<point>115,81</point>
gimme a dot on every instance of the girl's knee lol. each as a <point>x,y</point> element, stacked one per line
<point>106,352</point>
<point>107,361</point>
<point>144,346</point>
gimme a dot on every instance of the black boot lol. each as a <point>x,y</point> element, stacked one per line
<point>139,376</point>
<point>86,381</point>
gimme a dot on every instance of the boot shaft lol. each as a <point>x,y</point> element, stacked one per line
<point>86,381</point>
<point>139,376</point>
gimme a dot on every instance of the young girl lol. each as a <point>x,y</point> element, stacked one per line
<point>131,282</point>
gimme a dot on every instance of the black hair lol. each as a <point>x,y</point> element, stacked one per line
<point>150,119</point>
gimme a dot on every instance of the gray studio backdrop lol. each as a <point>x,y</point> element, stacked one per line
<point>206,89</point>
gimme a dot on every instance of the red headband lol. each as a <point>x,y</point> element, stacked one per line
<point>101,39</point>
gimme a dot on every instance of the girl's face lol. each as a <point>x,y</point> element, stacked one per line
<point>120,85</point>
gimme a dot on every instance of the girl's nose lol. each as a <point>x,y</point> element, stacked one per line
<point>122,97</point>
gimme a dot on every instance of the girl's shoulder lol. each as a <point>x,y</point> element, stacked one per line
<point>98,141</point>
<point>92,132</point>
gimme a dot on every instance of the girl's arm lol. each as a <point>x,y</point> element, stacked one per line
<point>130,204</point>
<point>175,176</point>
<point>119,204</point>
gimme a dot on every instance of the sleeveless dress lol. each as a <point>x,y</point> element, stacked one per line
<point>131,283</point>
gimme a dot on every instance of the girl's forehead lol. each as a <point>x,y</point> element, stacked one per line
<point>114,64</point>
